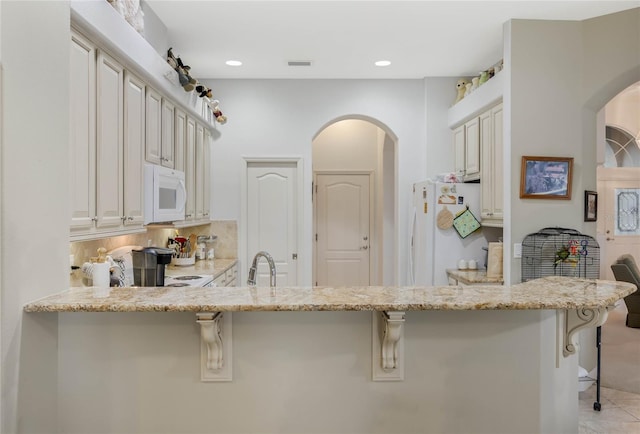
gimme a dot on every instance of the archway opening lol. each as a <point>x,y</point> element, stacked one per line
<point>351,248</point>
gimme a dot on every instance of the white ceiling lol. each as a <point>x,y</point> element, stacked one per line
<point>342,39</point>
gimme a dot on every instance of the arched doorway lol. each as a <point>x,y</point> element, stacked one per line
<point>354,209</point>
<point>618,224</point>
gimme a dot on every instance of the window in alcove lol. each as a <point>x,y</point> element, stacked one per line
<point>622,150</point>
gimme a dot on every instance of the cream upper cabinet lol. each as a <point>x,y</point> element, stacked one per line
<point>472,150</point>
<point>160,133</point>
<point>206,187</point>
<point>199,170</point>
<point>492,197</point>
<point>189,170</point>
<point>197,173</point>
<point>180,126</point>
<point>459,149</point>
<point>167,156</point>
<point>153,147</point>
<point>134,142</point>
<point>109,142</point>
<point>107,113</point>
<point>82,140</point>
<point>466,143</point>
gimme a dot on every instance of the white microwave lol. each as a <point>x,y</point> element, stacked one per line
<point>165,194</point>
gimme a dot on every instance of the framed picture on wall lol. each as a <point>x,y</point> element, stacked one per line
<point>546,178</point>
<point>590,206</point>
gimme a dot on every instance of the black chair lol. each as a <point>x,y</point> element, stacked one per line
<point>626,270</point>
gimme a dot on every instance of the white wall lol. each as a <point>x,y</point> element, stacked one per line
<point>465,372</point>
<point>557,117</point>
<point>624,111</point>
<point>281,117</point>
<point>350,144</point>
<point>34,233</point>
<point>440,92</point>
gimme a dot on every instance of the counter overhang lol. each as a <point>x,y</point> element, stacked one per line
<point>546,293</point>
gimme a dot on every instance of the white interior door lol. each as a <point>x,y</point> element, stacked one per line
<point>343,229</point>
<point>618,216</point>
<point>272,219</point>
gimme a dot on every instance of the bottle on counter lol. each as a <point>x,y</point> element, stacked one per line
<point>100,270</point>
<point>201,251</point>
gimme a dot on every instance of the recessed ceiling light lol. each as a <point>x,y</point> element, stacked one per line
<point>233,63</point>
<point>383,63</point>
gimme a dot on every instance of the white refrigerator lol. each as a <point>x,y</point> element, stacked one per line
<point>434,244</point>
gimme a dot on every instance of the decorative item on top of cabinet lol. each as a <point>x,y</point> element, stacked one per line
<point>461,87</point>
<point>466,86</point>
<point>210,109</point>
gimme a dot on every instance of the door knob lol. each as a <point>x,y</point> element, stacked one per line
<point>365,238</point>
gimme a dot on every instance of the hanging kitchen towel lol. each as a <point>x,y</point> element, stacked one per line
<point>466,223</point>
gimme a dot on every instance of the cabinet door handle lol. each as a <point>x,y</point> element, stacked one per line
<point>365,247</point>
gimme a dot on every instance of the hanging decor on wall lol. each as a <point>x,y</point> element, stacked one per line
<point>590,206</point>
<point>546,178</point>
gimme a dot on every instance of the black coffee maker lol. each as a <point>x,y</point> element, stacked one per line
<point>149,264</point>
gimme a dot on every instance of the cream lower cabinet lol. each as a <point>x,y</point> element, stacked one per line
<point>107,112</point>
<point>228,278</point>
<point>492,197</point>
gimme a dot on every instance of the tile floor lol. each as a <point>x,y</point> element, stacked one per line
<point>620,412</point>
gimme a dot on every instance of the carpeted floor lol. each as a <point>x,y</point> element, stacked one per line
<point>620,366</point>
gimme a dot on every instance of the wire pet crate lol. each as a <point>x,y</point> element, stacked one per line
<point>560,252</point>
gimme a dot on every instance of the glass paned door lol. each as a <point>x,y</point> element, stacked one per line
<point>627,214</point>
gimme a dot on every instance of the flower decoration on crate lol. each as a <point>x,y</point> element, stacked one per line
<point>190,84</point>
<point>571,253</point>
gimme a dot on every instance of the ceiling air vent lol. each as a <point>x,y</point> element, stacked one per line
<point>299,63</point>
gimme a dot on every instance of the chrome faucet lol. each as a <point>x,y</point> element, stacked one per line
<point>251,281</point>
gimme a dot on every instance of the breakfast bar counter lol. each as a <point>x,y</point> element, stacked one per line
<point>407,359</point>
<point>545,293</point>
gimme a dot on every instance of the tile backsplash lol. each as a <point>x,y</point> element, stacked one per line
<point>225,247</point>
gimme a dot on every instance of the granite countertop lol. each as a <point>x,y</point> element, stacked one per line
<point>473,277</point>
<point>545,293</point>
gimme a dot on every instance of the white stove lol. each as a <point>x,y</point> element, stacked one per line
<point>197,280</point>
